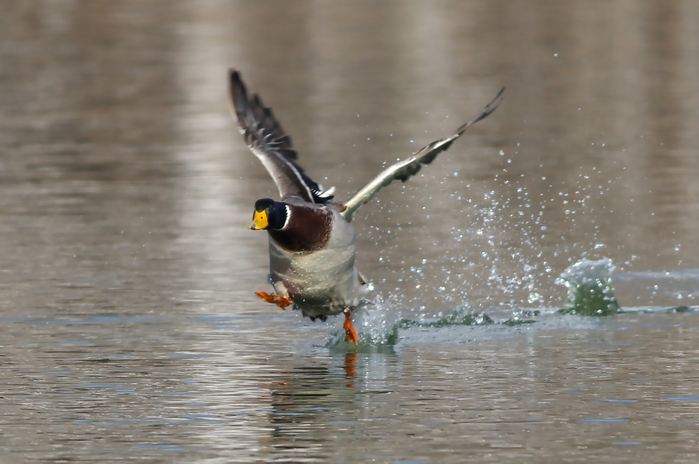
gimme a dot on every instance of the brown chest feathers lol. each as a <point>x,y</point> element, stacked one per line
<point>308,229</point>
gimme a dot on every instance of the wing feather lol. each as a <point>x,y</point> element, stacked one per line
<point>404,169</point>
<point>267,140</point>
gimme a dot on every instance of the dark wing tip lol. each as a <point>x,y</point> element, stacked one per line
<point>266,138</point>
<point>495,102</point>
<point>492,105</point>
<point>487,111</point>
<point>234,80</point>
<point>238,94</point>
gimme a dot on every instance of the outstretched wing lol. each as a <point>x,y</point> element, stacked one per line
<point>268,141</point>
<point>408,167</point>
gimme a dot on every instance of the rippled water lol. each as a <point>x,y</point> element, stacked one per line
<point>128,324</point>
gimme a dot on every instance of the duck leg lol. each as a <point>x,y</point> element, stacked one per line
<point>350,332</point>
<point>279,300</point>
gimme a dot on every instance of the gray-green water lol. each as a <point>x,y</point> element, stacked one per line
<point>129,330</point>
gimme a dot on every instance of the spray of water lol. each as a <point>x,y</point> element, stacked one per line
<point>376,323</point>
<point>589,286</point>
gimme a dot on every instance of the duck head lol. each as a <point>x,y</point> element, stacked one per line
<point>269,214</point>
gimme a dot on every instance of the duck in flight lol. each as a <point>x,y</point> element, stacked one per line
<point>312,243</point>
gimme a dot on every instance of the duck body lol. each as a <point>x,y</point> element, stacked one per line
<point>311,261</point>
<point>312,243</point>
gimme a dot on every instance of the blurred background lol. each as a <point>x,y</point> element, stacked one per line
<point>126,189</point>
<point>119,155</point>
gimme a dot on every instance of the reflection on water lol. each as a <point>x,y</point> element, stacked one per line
<point>128,323</point>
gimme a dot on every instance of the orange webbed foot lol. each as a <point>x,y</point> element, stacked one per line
<point>350,332</point>
<point>279,300</point>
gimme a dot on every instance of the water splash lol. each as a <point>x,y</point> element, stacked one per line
<point>376,324</point>
<point>509,270</point>
<point>380,326</point>
<point>460,316</point>
<point>589,288</point>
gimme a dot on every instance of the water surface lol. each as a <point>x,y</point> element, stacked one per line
<point>128,324</point>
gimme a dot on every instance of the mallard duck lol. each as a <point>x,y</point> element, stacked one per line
<point>312,243</point>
